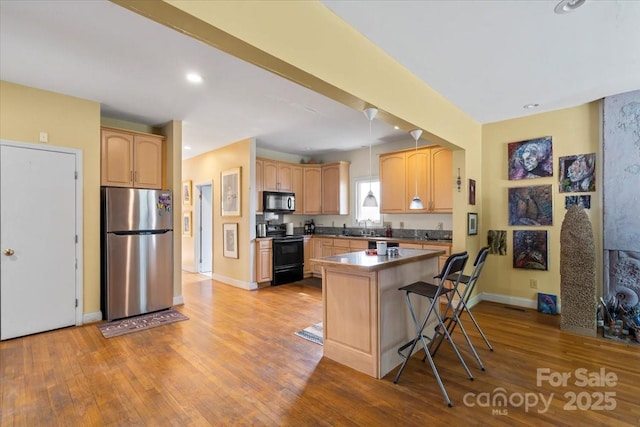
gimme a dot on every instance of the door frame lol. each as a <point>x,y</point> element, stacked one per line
<point>197,225</point>
<point>79,220</point>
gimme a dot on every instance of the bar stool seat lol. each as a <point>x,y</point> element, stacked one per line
<point>453,267</point>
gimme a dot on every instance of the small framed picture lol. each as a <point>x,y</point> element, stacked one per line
<point>186,224</point>
<point>472,223</point>
<point>472,191</point>
<point>186,193</point>
<point>230,240</point>
<point>230,192</point>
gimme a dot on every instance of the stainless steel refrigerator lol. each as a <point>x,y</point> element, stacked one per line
<point>136,251</point>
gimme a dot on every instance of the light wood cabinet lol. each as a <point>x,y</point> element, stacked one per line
<point>312,200</point>
<point>431,168</point>
<point>392,183</point>
<point>130,159</point>
<point>259,184</point>
<point>277,176</point>
<point>297,187</point>
<point>335,188</point>
<point>264,261</point>
<point>308,254</point>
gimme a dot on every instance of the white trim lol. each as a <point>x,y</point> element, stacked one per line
<point>234,282</point>
<point>79,314</point>
<point>505,299</point>
<point>92,317</point>
<point>178,300</point>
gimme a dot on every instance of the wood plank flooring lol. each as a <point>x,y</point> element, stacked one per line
<point>236,361</point>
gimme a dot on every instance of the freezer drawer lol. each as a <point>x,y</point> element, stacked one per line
<point>139,274</point>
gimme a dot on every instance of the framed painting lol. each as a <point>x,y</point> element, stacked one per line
<point>472,191</point>
<point>497,241</point>
<point>532,158</point>
<point>530,250</point>
<point>582,201</point>
<point>531,205</point>
<point>230,240</point>
<point>186,224</point>
<point>472,223</point>
<point>230,192</point>
<point>578,173</point>
<point>186,193</point>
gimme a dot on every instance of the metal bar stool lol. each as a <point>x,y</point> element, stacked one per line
<point>468,283</point>
<point>452,268</point>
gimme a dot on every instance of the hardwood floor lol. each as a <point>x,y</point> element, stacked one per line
<point>236,361</point>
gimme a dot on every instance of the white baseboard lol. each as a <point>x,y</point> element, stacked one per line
<point>92,317</point>
<point>178,300</point>
<point>505,299</point>
<point>189,268</point>
<point>250,286</point>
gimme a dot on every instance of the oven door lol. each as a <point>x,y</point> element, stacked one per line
<point>288,260</point>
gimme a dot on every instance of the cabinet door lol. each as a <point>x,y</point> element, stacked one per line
<point>312,201</point>
<point>308,252</point>
<point>392,183</point>
<point>442,180</point>
<point>297,187</point>
<point>147,156</point>
<point>285,177</point>
<point>417,177</point>
<point>259,185</point>
<point>335,188</point>
<point>264,264</point>
<point>116,159</point>
<point>317,253</point>
<point>270,175</point>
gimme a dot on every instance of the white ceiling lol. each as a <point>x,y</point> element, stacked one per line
<point>489,58</point>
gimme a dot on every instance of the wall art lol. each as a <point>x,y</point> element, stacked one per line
<point>530,249</point>
<point>472,223</point>
<point>186,192</point>
<point>531,205</point>
<point>230,192</point>
<point>497,241</point>
<point>582,201</point>
<point>186,224</point>
<point>472,191</point>
<point>578,173</point>
<point>532,158</point>
<point>230,240</point>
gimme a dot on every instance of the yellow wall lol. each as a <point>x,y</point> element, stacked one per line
<point>72,123</point>
<point>574,131</point>
<point>207,168</point>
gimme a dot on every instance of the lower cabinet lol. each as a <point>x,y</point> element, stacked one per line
<point>308,252</point>
<point>264,262</point>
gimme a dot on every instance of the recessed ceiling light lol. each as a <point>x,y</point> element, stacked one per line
<point>530,106</point>
<point>566,6</point>
<point>186,147</point>
<point>396,127</point>
<point>194,78</point>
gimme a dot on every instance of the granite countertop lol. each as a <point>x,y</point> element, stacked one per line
<point>388,239</point>
<point>363,262</point>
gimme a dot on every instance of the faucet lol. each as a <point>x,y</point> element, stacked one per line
<point>364,222</point>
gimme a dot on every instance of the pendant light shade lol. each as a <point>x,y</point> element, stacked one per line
<point>416,202</point>
<point>370,201</point>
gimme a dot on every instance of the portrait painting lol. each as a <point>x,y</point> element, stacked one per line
<point>230,192</point>
<point>230,240</point>
<point>532,158</point>
<point>582,201</point>
<point>497,241</point>
<point>531,205</point>
<point>530,250</point>
<point>578,173</point>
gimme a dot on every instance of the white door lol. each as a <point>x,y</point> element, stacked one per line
<point>204,233</point>
<point>37,240</point>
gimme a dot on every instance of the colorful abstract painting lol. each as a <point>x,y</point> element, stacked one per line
<point>547,303</point>
<point>578,173</point>
<point>497,241</point>
<point>530,250</point>
<point>532,158</point>
<point>531,205</point>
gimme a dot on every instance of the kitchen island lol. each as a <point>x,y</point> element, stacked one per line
<point>365,316</point>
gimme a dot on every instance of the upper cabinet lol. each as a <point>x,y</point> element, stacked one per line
<point>130,159</point>
<point>427,172</point>
<point>335,188</point>
<point>319,189</point>
<point>278,176</point>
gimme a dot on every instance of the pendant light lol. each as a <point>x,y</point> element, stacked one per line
<point>370,201</point>
<point>416,203</point>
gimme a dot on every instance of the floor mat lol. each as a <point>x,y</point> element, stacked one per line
<point>140,323</point>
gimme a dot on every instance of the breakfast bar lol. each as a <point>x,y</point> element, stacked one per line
<point>365,317</point>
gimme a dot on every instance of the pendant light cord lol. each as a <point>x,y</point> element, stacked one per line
<point>370,154</point>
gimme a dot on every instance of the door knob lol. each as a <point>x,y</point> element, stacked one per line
<point>9,252</point>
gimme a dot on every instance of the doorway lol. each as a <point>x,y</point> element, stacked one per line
<point>204,226</point>
<point>40,237</point>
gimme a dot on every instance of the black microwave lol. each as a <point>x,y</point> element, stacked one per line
<point>273,201</point>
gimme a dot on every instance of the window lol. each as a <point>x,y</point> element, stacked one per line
<point>371,215</point>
